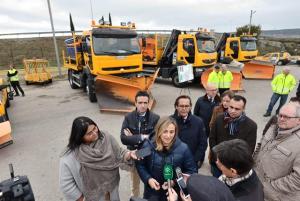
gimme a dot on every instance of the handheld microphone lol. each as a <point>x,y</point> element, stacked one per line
<point>168,174</point>
<point>178,172</point>
<point>181,183</point>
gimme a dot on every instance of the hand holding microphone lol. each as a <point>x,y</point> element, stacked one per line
<point>181,183</point>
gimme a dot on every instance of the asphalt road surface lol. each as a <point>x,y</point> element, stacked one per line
<point>41,123</point>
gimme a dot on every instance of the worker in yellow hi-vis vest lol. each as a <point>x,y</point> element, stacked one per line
<point>13,77</point>
<point>282,85</point>
<point>213,78</point>
<point>225,79</point>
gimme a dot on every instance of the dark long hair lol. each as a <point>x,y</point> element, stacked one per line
<point>79,128</point>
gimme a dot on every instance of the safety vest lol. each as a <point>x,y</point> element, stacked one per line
<point>225,79</point>
<point>213,79</point>
<point>283,84</point>
<point>15,77</point>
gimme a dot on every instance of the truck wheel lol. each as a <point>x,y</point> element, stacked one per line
<point>6,115</point>
<point>71,80</point>
<point>7,102</point>
<point>90,90</point>
<point>279,63</point>
<point>175,81</point>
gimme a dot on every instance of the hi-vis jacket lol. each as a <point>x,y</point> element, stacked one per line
<point>213,79</point>
<point>225,79</point>
<point>283,84</point>
<point>13,75</point>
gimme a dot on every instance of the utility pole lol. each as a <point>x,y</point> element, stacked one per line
<point>54,40</point>
<point>252,12</point>
<point>92,9</point>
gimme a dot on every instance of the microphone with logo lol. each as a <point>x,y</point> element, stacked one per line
<point>181,183</point>
<point>168,174</point>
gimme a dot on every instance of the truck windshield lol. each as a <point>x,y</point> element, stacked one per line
<point>205,45</point>
<point>248,45</point>
<point>115,46</point>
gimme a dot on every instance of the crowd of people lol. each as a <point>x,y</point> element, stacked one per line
<point>158,146</point>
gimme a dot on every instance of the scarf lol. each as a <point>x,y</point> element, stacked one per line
<point>233,123</point>
<point>233,181</point>
<point>100,161</point>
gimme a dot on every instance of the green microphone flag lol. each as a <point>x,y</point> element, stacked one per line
<point>168,172</point>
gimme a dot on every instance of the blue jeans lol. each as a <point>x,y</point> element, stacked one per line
<point>273,101</point>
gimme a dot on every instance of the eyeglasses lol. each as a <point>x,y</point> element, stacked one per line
<point>282,116</point>
<point>184,106</point>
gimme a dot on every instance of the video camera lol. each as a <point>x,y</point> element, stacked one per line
<point>16,188</point>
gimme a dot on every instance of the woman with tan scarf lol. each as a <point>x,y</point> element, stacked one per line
<point>89,168</point>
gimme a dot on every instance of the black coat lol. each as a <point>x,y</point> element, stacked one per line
<point>247,131</point>
<point>208,188</point>
<point>138,126</point>
<point>204,109</point>
<point>248,190</point>
<point>192,132</point>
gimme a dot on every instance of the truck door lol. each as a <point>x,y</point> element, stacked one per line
<point>86,46</point>
<point>189,48</point>
<point>234,46</point>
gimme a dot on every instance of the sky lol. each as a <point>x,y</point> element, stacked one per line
<point>19,16</point>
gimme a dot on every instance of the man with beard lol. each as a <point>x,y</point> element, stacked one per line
<point>233,124</point>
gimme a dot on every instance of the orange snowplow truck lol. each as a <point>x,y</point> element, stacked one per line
<point>106,62</point>
<point>5,127</point>
<point>167,52</point>
<point>244,49</point>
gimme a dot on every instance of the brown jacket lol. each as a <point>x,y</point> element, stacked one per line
<point>216,112</point>
<point>278,164</point>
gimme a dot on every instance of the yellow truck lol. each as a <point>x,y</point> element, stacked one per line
<point>106,62</point>
<point>244,49</point>
<point>5,128</point>
<point>167,52</point>
<point>278,58</point>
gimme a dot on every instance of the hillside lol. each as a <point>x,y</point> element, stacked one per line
<point>282,33</point>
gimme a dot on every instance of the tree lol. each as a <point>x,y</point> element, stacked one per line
<point>255,29</point>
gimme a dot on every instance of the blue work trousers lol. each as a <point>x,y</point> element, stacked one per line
<point>274,99</point>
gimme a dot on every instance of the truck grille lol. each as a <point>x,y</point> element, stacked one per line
<point>119,68</point>
<point>208,61</point>
<point>249,57</point>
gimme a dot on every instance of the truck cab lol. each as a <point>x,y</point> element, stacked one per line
<point>112,51</point>
<point>196,49</point>
<point>241,48</point>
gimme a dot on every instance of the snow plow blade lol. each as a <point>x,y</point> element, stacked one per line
<point>236,84</point>
<point>116,93</point>
<point>256,69</point>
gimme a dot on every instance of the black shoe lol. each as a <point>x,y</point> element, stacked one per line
<point>23,95</point>
<point>267,114</point>
<point>17,95</point>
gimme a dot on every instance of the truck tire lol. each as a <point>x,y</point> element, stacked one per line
<point>7,104</point>
<point>280,63</point>
<point>90,89</point>
<point>175,81</point>
<point>71,79</point>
